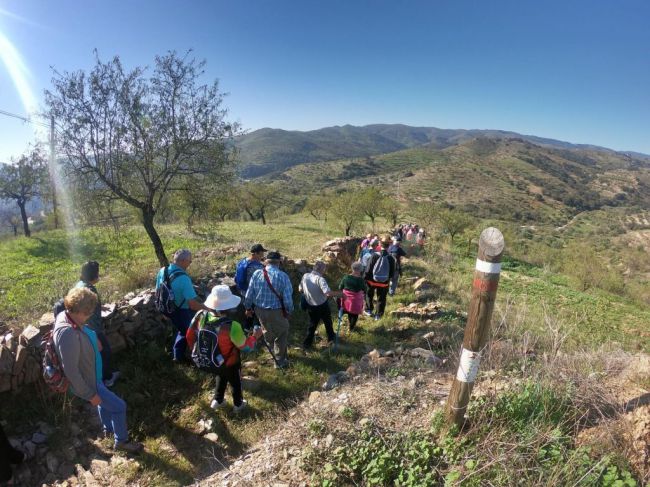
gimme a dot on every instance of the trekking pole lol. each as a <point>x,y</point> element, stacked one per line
<point>338,328</point>
<point>268,347</point>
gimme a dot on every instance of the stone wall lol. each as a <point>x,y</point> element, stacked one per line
<point>135,319</point>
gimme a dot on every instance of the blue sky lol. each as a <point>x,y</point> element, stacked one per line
<point>571,70</point>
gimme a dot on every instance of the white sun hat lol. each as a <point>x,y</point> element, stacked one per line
<point>221,298</point>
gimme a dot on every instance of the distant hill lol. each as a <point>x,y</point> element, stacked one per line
<point>267,150</point>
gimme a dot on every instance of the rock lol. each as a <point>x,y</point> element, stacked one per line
<point>331,383</point>
<point>205,425</point>
<point>374,354</point>
<point>383,362</point>
<point>365,422</point>
<point>435,361</point>
<point>31,336</point>
<point>250,383</point>
<point>329,439</point>
<point>46,319</point>
<point>352,371</point>
<point>21,357</point>
<point>315,397</point>
<point>421,353</point>
<point>97,466</point>
<point>51,462</point>
<point>45,428</point>
<point>137,302</point>
<point>10,341</point>
<point>66,470</point>
<point>108,310</point>
<point>116,342</point>
<point>422,284</point>
<point>69,453</point>
<point>39,438</point>
<point>29,449</point>
<point>213,437</point>
<point>74,429</point>
<point>6,360</point>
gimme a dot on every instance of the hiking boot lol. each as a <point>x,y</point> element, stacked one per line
<point>129,447</point>
<point>241,407</point>
<point>377,317</point>
<point>367,312</point>
<point>218,405</point>
<point>281,364</point>
<point>111,382</point>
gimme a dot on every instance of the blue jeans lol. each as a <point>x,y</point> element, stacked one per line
<point>181,319</point>
<point>112,412</point>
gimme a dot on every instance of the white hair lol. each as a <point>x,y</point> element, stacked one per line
<point>180,255</point>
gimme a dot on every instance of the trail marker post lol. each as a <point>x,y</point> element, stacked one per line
<point>484,291</point>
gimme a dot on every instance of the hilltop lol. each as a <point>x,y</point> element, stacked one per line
<point>266,151</point>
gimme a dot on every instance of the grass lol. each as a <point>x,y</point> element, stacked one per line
<point>166,403</point>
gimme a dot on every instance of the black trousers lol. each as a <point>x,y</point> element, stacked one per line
<point>382,293</point>
<point>8,456</point>
<point>229,375</point>
<point>316,315</point>
<point>352,318</point>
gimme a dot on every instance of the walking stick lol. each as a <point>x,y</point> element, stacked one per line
<point>268,347</point>
<point>338,327</point>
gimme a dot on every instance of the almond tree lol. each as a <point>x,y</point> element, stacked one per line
<point>23,180</point>
<point>140,138</point>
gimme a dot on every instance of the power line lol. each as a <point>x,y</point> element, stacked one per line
<point>23,118</point>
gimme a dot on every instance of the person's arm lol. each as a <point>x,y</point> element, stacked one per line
<point>240,340</point>
<point>195,305</point>
<point>250,292</point>
<point>326,289</point>
<point>69,349</point>
<point>287,293</point>
<point>189,294</point>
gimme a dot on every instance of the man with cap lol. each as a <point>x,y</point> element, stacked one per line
<point>379,272</point>
<point>246,267</point>
<point>231,340</point>
<point>270,293</point>
<point>397,252</point>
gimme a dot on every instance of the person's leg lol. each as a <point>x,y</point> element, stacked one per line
<point>314,318</point>
<point>221,382</point>
<point>353,320</point>
<point>282,340</point>
<point>107,370</point>
<point>181,319</point>
<point>370,297</point>
<point>112,412</point>
<point>234,377</point>
<point>326,315</point>
<point>393,283</point>
<point>382,292</point>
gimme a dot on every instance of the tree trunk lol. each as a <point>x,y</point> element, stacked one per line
<point>263,217</point>
<point>250,214</point>
<point>147,221</point>
<point>23,215</point>
<point>15,227</point>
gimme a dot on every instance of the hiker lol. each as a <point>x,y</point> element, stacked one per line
<point>8,456</point>
<point>379,272</point>
<point>90,277</point>
<point>410,234</point>
<point>421,237</point>
<point>316,293</point>
<point>399,232</point>
<point>366,254</point>
<point>397,252</point>
<point>366,241</point>
<point>244,271</point>
<point>354,289</point>
<point>184,298</point>
<point>216,342</point>
<point>270,293</point>
<point>79,359</point>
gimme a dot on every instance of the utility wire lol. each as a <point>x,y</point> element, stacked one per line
<point>24,119</point>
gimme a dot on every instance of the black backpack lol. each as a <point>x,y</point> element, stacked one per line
<point>206,353</point>
<point>165,299</point>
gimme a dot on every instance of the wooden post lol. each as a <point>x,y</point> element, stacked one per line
<point>484,291</point>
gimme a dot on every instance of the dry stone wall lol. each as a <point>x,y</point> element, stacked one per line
<point>134,318</point>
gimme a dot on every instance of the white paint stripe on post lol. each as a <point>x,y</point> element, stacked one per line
<point>488,267</point>
<point>468,366</point>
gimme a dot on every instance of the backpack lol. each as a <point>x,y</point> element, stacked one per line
<point>206,353</point>
<point>381,270</point>
<point>366,255</point>
<point>164,300</point>
<point>240,275</point>
<point>52,368</point>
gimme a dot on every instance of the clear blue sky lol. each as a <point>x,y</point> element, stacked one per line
<point>571,70</point>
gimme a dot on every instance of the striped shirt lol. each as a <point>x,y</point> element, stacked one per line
<point>259,293</point>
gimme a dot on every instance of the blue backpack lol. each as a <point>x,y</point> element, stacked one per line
<point>240,275</point>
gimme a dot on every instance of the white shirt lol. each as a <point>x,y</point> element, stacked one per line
<point>315,288</point>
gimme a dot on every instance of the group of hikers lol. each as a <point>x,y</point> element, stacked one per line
<point>211,334</point>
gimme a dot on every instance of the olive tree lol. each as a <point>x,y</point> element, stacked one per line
<point>140,136</point>
<point>23,180</point>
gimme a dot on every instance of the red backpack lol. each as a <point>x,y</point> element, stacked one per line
<point>52,367</point>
